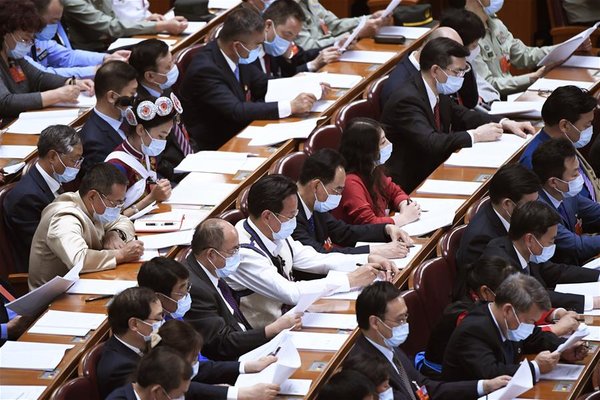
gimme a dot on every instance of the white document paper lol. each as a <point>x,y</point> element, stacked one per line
<point>594,334</point>
<point>440,186</point>
<point>322,105</point>
<point>521,382</point>
<point>585,289</point>
<point>488,154</point>
<point>149,254</point>
<point>328,320</point>
<point>14,168</point>
<point>144,211</point>
<point>564,372</point>
<point>276,133</point>
<point>295,387</point>
<point>250,132</point>
<point>408,32</point>
<point>367,56</point>
<point>435,214</point>
<point>193,27</point>
<point>16,151</point>
<point>318,341</point>
<point>219,162</point>
<point>100,286</point>
<point>162,240</point>
<point>223,4</point>
<point>71,319</point>
<point>562,51</point>
<point>304,301</point>
<point>591,62</point>
<point>266,349</point>
<point>14,392</point>
<point>350,295</point>
<point>287,89</point>
<point>517,107</point>
<point>19,355</point>
<point>122,42</point>
<point>581,332</point>
<point>390,8</point>
<point>594,264</point>
<point>343,81</point>
<point>83,101</point>
<point>545,84</point>
<point>361,24</point>
<point>33,122</point>
<point>54,330</point>
<point>194,190</point>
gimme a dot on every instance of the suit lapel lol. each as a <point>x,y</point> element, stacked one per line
<point>227,72</point>
<point>420,85</point>
<point>38,179</point>
<point>497,336</point>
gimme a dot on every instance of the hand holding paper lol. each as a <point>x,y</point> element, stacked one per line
<point>390,8</point>
<point>354,35</point>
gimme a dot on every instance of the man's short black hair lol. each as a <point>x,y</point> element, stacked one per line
<point>130,303</point>
<point>281,10</point>
<point>348,385</point>
<point>467,24</point>
<point>268,193</point>
<point>549,158</point>
<point>440,51</point>
<point>513,181</point>
<point>145,54</point>
<point>373,300</point>
<point>161,274</point>
<point>162,366</point>
<point>113,75</point>
<point>534,217</point>
<point>60,138</point>
<point>567,102</point>
<point>101,178</point>
<point>240,23</point>
<point>322,165</point>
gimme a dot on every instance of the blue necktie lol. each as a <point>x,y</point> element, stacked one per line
<point>237,73</point>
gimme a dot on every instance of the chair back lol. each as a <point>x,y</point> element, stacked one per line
<point>76,389</point>
<point>7,266</point>
<point>28,165</point>
<point>374,95</point>
<point>325,137</point>
<point>241,203</point>
<point>214,33</point>
<point>449,244</point>
<point>475,207</point>
<point>183,60</point>
<point>289,165</point>
<point>590,396</point>
<point>232,216</point>
<point>358,108</point>
<point>183,254</point>
<point>89,364</point>
<point>434,282</point>
<point>557,14</point>
<point>420,329</point>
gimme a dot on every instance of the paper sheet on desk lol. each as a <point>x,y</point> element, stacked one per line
<point>343,81</point>
<point>318,341</point>
<point>564,50</point>
<point>35,121</point>
<point>594,334</point>
<point>295,387</point>
<point>545,84</point>
<point>287,89</point>
<point>15,392</point>
<point>219,162</point>
<point>361,24</point>
<point>322,105</point>
<point>581,332</point>
<point>327,320</point>
<point>67,322</point>
<point>436,217</point>
<point>305,300</point>
<point>194,190</point>
<point>144,211</point>
<point>265,349</point>
<point>586,289</point>
<point>441,186</point>
<point>521,382</point>
<point>223,4</point>
<point>488,154</point>
<point>594,264</point>
<point>591,62</point>
<point>16,151</point>
<point>193,27</point>
<point>122,42</point>
<point>14,168</point>
<point>390,8</point>
<point>564,372</point>
<point>529,108</point>
<point>401,263</point>
<point>276,133</point>
<point>409,32</point>
<point>83,101</point>
<point>367,56</point>
<point>18,355</point>
<point>100,286</point>
<point>162,240</point>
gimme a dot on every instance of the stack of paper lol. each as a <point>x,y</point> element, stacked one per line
<point>549,85</point>
<point>271,134</point>
<point>585,289</point>
<point>408,32</point>
<point>67,323</point>
<point>34,122</point>
<point>562,51</point>
<point>435,214</point>
<point>100,286</point>
<point>435,186</point>
<point>84,100</point>
<point>219,162</point>
<point>125,42</point>
<point>521,382</point>
<point>401,263</point>
<point>325,320</point>
<point>13,168</point>
<point>223,4</point>
<point>32,355</point>
<point>581,332</point>
<point>12,392</point>
<point>194,190</point>
<point>16,151</point>
<point>318,341</point>
<point>306,300</point>
<point>488,154</point>
<point>343,81</point>
<point>287,89</point>
<point>591,62</point>
<point>526,109</point>
<point>367,56</point>
<point>564,372</point>
<point>193,27</point>
<point>162,240</point>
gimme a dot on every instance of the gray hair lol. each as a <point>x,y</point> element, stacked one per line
<point>60,138</point>
<point>522,292</point>
<point>209,234</point>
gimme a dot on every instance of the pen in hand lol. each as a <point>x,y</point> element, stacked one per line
<point>104,296</point>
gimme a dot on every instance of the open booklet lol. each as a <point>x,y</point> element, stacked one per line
<point>521,382</point>
<point>564,50</point>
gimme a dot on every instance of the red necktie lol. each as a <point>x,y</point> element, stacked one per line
<point>267,60</point>
<point>6,294</point>
<point>436,116</point>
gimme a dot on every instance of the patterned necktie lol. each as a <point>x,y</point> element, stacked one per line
<point>403,377</point>
<point>182,139</point>
<point>437,117</point>
<point>228,296</point>
<point>311,224</point>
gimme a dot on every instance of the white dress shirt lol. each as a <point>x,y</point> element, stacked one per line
<point>52,183</point>
<point>505,223</point>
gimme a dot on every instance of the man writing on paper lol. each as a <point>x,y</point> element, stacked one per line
<point>221,94</point>
<point>493,338</point>
<point>320,188</point>
<point>426,127</point>
<point>84,226</point>
<point>269,256</point>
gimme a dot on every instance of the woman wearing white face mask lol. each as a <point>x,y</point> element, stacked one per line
<point>151,120</point>
<point>370,195</point>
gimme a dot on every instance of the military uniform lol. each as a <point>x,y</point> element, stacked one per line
<point>500,50</point>
<point>322,28</point>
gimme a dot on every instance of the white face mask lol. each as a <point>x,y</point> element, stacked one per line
<point>522,332</point>
<point>547,253</point>
<point>575,186</point>
<point>387,395</point>
<point>584,136</point>
<point>494,7</point>
<point>399,334</point>
<point>286,229</point>
<point>183,305</point>
<point>385,153</point>
<point>155,147</point>
<point>155,327</point>
<point>330,203</point>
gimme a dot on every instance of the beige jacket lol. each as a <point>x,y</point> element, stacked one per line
<point>67,234</point>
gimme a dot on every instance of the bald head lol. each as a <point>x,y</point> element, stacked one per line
<point>445,32</point>
<point>213,233</point>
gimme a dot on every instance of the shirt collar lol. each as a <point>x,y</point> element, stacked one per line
<point>132,348</point>
<point>388,353</point>
<point>152,92</point>
<point>306,210</point>
<point>114,123</point>
<point>433,98</point>
<point>52,183</point>
<point>233,66</point>
<point>505,223</point>
<point>213,279</point>
<point>272,246</point>
<point>496,322</point>
<point>556,203</point>
<point>522,259</point>
<point>413,60</point>
<point>137,397</point>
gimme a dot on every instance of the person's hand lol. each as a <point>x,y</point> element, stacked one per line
<point>546,361</point>
<point>254,366</point>
<point>303,103</point>
<point>155,17</point>
<point>565,325</point>
<point>575,353</point>
<point>521,129</point>
<point>596,301</point>
<point>327,56</point>
<point>363,275</point>
<point>559,313</point>
<point>260,391</point>
<point>534,76</point>
<point>119,55</point>
<point>286,321</point>
<point>132,251</point>
<point>408,212</point>
<point>394,249</point>
<point>395,233</point>
<point>161,191</point>
<point>85,85</point>
<point>491,385</point>
<point>67,93</point>
<point>174,26</point>
<point>341,40</point>
<point>488,132</point>
<point>112,241</point>
<point>387,268</point>
<point>17,326</point>
<point>370,28</point>
<point>586,46</point>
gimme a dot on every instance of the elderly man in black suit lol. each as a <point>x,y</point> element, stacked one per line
<point>426,126</point>
<point>382,317</point>
<point>221,94</point>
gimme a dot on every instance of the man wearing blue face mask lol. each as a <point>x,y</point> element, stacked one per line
<point>426,126</point>
<point>59,151</point>
<point>494,337</point>
<point>85,226</point>
<point>569,112</point>
<point>383,319</point>
<point>556,164</point>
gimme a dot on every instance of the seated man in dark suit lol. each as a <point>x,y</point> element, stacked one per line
<point>555,163</point>
<point>569,112</point>
<point>161,372</point>
<point>493,338</point>
<point>320,188</point>
<point>215,312</point>
<point>59,151</point>
<point>529,246</point>
<point>426,126</point>
<point>221,94</point>
<point>511,186</point>
<point>382,317</point>
<point>115,85</point>
<point>134,316</point>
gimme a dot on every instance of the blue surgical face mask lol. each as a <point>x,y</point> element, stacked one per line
<point>231,265</point>
<point>48,32</point>
<point>183,305</point>
<point>21,49</point>
<point>156,146</point>
<point>331,202</point>
<point>110,214</point>
<point>69,174</point>
<point>277,47</point>
<point>387,395</point>
<point>155,327</point>
<point>286,230</point>
<point>252,55</point>
<point>385,153</point>
<point>522,332</point>
<point>172,77</point>
<point>575,186</point>
<point>399,334</point>
<point>494,7</point>
<point>547,253</point>
<point>452,84</point>
<point>195,369</point>
<point>584,136</point>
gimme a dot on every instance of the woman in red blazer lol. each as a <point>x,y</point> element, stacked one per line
<point>370,195</point>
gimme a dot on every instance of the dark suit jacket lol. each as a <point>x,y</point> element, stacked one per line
<point>283,67</point>
<point>405,70</point>
<point>475,350</point>
<point>340,233</point>
<point>437,390</point>
<point>23,207</point>
<point>214,102</point>
<point>99,139</point>
<point>3,300</point>
<point>123,393</point>
<point>223,337</point>
<point>410,125</point>
<point>548,273</point>
<point>484,227</point>
<point>115,367</point>
<point>572,248</point>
